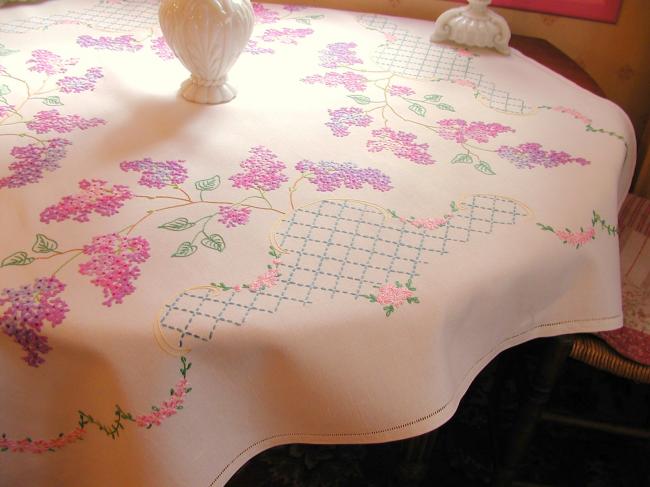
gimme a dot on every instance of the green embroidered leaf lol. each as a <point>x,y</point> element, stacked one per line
<point>43,245</point>
<point>5,52</point>
<point>185,250</point>
<point>390,309</point>
<point>214,242</point>
<point>304,21</point>
<point>4,89</point>
<point>433,98</point>
<point>3,100</point>
<point>485,168</point>
<point>462,159</point>
<point>444,106</point>
<point>17,258</point>
<point>360,99</point>
<point>418,109</point>
<point>177,225</point>
<point>316,17</point>
<point>52,101</point>
<point>546,228</point>
<point>209,184</point>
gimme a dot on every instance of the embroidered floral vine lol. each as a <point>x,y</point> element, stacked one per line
<point>393,296</point>
<point>583,236</point>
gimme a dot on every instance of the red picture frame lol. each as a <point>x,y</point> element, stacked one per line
<point>599,10</point>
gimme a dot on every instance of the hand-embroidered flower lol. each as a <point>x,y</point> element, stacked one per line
<point>350,81</point>
<point>402,144</point>
<point>264,15</point>
<point>95,196</point>
<point>576,238</point>
<point>531,155</point>
<point>157,174</point>
<point>263,171</point>
<point>167,408</point>
<point>329,176</point>
<point>114,264</point>
<point>397,90</point>
<point>43,61</point>
<point>392,296</point>
<point>254,49</point>
<point>462,131</point>
<point>76,84</point>
<point>30,306</point>
<point>162,49</point>
<point>285,35</point>
<point>266,280</point>
<point>40,446</point>
<point>52,121</point>
<point>233,216</point>
<point>574,113</point>
<point>342,119</point>
<point>339,54</point>
<point>118,43</point>
<point>5,109</point>
<point>32,160</point>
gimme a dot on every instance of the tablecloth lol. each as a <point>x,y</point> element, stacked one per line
<point>331,257</point>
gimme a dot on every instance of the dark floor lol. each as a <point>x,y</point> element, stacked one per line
<point>466,448</point>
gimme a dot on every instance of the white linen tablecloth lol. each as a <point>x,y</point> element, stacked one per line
<point>337,252</point>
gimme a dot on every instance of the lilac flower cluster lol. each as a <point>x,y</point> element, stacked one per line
<point>162,49</point>
<point>79,84</point>
<point>5,109</point>
<point>462,131</point>
<point>43,61</point>
<point>114,264</point>
<point>263,171</point>
<point>531,155</point>
<point>351,81</point>
<point>118,43</point>
<point>32,160</point>
<point>30,306</point>
<point>398,90</point>
<point>339,54</point>
<point>342,119</point>
<point>52,121</point>
<point>233,216</point>
<point>95,196</point>
<point>329,176</point>
<point>157,174</point>
<point>264,15</point>
<point>402,144</point>
<point>285,35</point>
<point>254,49</point>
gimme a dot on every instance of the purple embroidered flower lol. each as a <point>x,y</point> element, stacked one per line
<point>254,49</point>
<point>29,307</point>
<point>402,144</point>
<point>342,119</point>
<point>397,90</point>
<point>32,160</point>
<point>329,176</point>
<point>162,49</point>
<point>119,43</point>
<point>339,54</point>
<point>351,81</point>
<point>52,121</point>
<point>462,131</point>
<point>95,196</point>
<point>263,171</point>
<point>5,109</point>
<point>233,216</point>
<point>114,264</point>
<point>157,174</point>
<point>264,15</point>
<point>285,35</point>
<point>531,155</point>
<point>76,84</point>
<point>43,61</point>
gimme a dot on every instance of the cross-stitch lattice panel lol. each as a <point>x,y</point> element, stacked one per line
<point>337,247</point>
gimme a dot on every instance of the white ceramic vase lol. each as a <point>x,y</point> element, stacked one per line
<point>207,36</point>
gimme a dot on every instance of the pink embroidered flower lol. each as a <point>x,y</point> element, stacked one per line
<point>32,160</point>
<point>157,174</point>
<point>350,81</point>
<point>285,35</point>
<point>254,49</point>
<point>233,216</point>
<point>75,84</point>
<point>462,131</point>
<point>263,171</point>
<point>118,43</point>
<point>264,15</point>
<point>43,61</point>
<point>464,53</point>
<point>531,155</point>
<point>428,223</point>
<point>95,196</point>
<point>28,308</point>
<point>114,264</point>
<point>161,48</point>
<point>342,119</point>
<point>329,176</point>
<point>391,295</point>
<point>397,90</point>
<point>266,280</point>
<point>339,54</point>
<point>167,408</point>
<point>576,238</point>
<point>464,82</point>
<point>574,113</point>
<point>5,109</point>
<point>402,144</point>
<point>40,446</point>
<point>52,121</point>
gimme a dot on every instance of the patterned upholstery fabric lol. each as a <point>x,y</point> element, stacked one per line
<point>633,340</point>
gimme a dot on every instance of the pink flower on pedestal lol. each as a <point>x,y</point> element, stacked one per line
<point>52,121</point>
<point>114,264</point>
<point>95,196</point>
<point>32,161</point>
<point>233,216</point>
<point>263,171</point>
<point>350,81</point>
<point>402,144</point>
<point>462,131</point>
